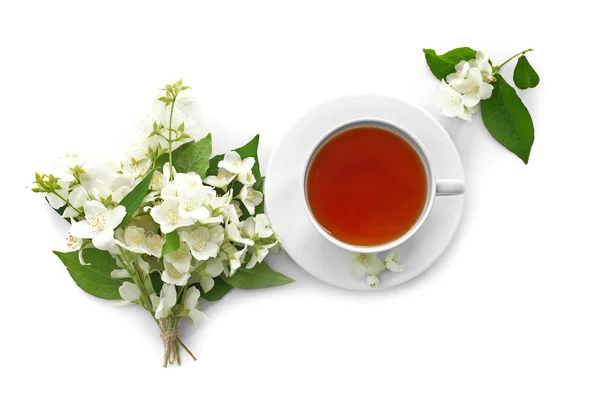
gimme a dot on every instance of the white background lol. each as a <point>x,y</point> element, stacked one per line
<point>511,311</point>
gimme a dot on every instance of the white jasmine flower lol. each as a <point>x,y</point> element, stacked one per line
<point>391,261</point>
<point>453,104</point>
<point>473,88</point>
<point>190,302</point>
<point>133,239</point>
<point>136,168</point>
<point>365,263</point>
<point>373,281</point>
<point>221,180</point>
<point>174,276</point>
<point>204,243</point>
<point>99,224</point>
<point>233,163</point>
<point>63,167</point>
<point>258,255</point>
<point>258,226</point>
<point>209,270</point>
<point>74,243</point>
<point>247,178</point>
<point>461,72</point>
<point>192,196</point>
<point>235,232</point>
<point>236,259</point>
<point>129,292</point>
<point>154,244</point>
<point>168,217</point>
<point>481,62</point>
<point>76,199</point>
<point>160,179</point>
<point>180,258</point>
<point>190,183</point>
<point>168,298</point>
<point>251,198</point>
<point>57,200</point>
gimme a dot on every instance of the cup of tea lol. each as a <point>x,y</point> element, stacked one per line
<point>369,185</point>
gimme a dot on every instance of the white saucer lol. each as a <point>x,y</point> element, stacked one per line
<point>284,191</point>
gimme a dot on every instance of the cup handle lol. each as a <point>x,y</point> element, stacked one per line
<point>449,187</point>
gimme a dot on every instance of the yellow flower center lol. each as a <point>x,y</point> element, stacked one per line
<point>71,242</point>
<point>472,87</point>
<point>136,240</point>
<point>238,164</point>
<point>455,100</point>
<point>98,222</point>
<point>172,216</point>
<point>200,243</point>
<point>364,260</point>
<point>189,205</point>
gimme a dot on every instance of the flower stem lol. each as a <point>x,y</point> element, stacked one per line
<point>66,201</point>
<point>170,133</point>
<point>186,349</point>
<point>497,68</point>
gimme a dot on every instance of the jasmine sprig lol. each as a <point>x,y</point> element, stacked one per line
<point>170,98</point>
<point>471,83</point>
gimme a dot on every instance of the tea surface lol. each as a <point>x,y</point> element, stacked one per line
<point>367,186</point>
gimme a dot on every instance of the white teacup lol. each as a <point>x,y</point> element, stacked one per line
<point>435,187</point>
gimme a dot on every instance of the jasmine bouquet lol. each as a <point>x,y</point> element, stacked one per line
<point>172,225</point>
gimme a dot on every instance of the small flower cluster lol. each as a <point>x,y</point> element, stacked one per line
<point>369,264</point>
<point>462,90</point>
<point>151,218</point>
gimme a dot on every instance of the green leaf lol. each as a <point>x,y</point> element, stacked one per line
<point>524,74</point>
<point>94,279</point>
<point>259,277</point>
<point>250,149</point>
<point>171,243</point>
<point>218,291</point>
<point>444,64</point>
<point>508,120</point>
<point>156,281</point>
<point>132,201</point>
<point>194,157</point>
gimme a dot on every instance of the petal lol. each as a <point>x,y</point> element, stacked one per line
<point>104,240</point>
<point>70,212</point>
<point>115,216</point>
<point>464,115</point>
<point>82,229</point>
<point>248,163</point>
<point>207,283</point>
<point>252,262</point>
<point>129,292</point>
<point>356,269</point>
<point>191,298</point>
<point>78,197</point>
<point>196,316</point>
<point>471,99</point>
<point>94,207</point>
<point>249,206</point>
<point>119,274</point>
<point>214,267</point>
<point>485,90</point>
<point>55,201</point>
<point>475,76</point>
<point>474,109</point>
